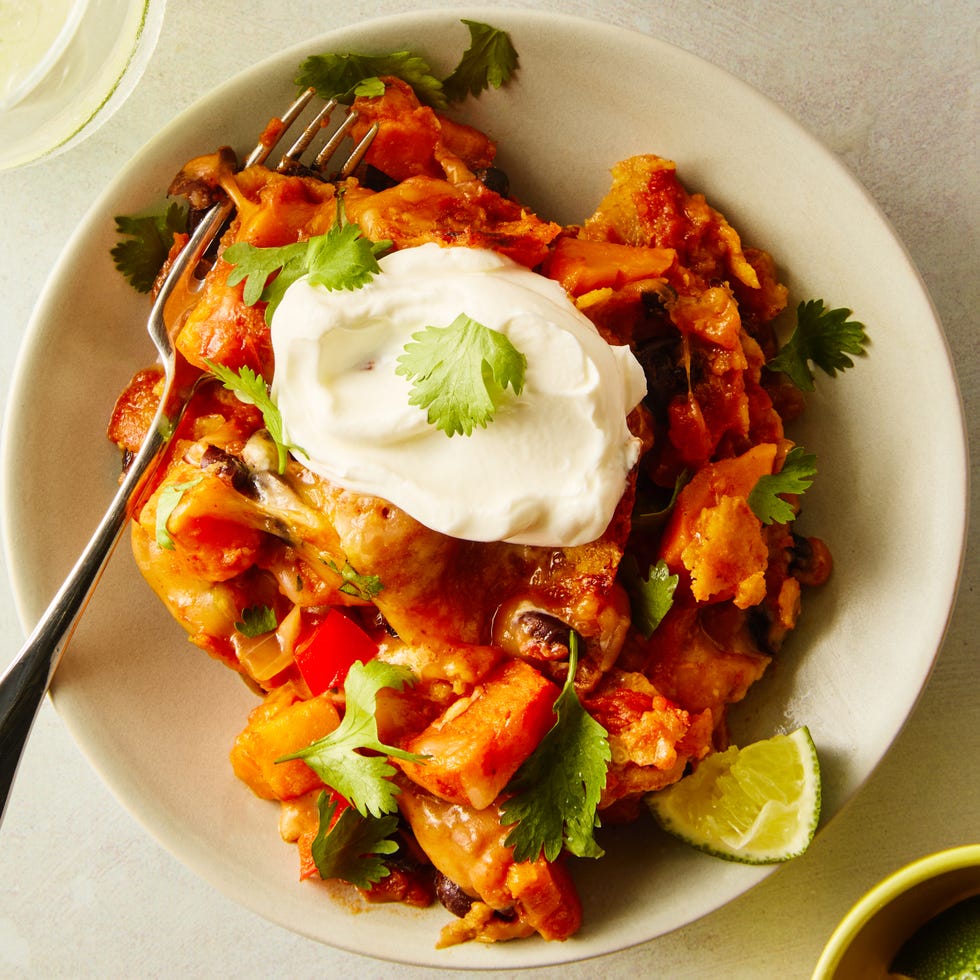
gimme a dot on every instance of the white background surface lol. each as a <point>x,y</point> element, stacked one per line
<point>891,88</point>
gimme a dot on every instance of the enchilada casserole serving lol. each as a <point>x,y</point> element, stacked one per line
<point>443,713</point>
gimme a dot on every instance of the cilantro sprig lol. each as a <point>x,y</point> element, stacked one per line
<point>346,76</point>
<point>251,389</point>
<point>353,847</point>
<point>353,583</point>
<point>257,620</point>
<point>822,337</point>
<point>490,60</point>
<point>799,469</point>
<point>146,241</point>
<point>459,373</point>
<point>363,780</point>
<point>340,259</point>
<point>651,595</point>
<point>557,789</point>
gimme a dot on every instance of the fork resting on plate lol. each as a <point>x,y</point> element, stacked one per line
<point>26,680</point>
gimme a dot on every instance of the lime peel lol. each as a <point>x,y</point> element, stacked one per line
<point>947,947</point>
<point>759,804</point>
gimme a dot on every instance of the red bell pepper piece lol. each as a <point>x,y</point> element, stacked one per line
<point>325,656</point>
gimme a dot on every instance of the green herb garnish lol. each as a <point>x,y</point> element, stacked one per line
<point>354,584</point>
<point>651,596</point>
<point>350,849</point>
<point>340,259</point>
<point>460,373</point>
<point>557,789</point>
<point>167,501</point>
<point>364,780</point>
<point>257,620</point>
<point>251,389</point>
<point>649,516</point>
<point>346,76</point>
<point>490,60</point>
<point>799,469</point>
<point>148,238</point>
<point>823,337</point>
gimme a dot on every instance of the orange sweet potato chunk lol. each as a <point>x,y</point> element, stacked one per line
<point>733,477</point>
<point>581,265</point>
<point>279,726</point>
<point>714,538</point>
<point>412,139</point>
<point>545,897</point>
<point>480,741</point>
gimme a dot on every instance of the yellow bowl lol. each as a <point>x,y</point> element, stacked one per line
<point>871,934</point>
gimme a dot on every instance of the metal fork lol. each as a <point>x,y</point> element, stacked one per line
<point>26,680</point>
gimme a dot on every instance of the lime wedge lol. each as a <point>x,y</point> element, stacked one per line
<point>759,804</point>
<point>947,947</point>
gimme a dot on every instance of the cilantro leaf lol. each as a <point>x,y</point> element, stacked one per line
<point>460,373</point>
<point>354,584</point>
<point>340,259</point>
<point>799,469</point>
<point>557,789</point>
<point>251,388</point>
<point>257,620</point>
<point>364,780</point>
<point>148,238</point>
<point>490,60</point>
<point>170,496</point>
<point>255,265</point>
<point>822,336</point>
<point>650,597</point>
<point>350,848</point>
<point>345,76</point>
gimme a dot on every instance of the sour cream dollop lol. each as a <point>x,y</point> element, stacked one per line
<point>548,469</point>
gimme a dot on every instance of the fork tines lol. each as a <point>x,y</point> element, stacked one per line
<point>291,162</point>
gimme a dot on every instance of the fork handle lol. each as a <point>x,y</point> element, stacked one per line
<point>26,680</point>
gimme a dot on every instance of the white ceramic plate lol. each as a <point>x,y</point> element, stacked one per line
<point>156,717</point>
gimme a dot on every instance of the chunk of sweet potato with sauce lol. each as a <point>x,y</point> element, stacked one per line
<point>430,209</point>
<point>581,265</point>
<point>480,741</point>
<point>545,897</point>
<point>413,139</point>
<point>713,537</point>
<point>133,412</point>
<point>647,205</point>
<point>727,556</point>
<point>280,725</point>
<point>651,738</point>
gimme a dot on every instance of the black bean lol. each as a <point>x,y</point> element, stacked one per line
<point>802,554</point>
<point>496,180</point>
<point>229,468</point>
<point>377,180</point>
<point>452,896</point>
<point>550,636</point>
<point>660,359</point>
